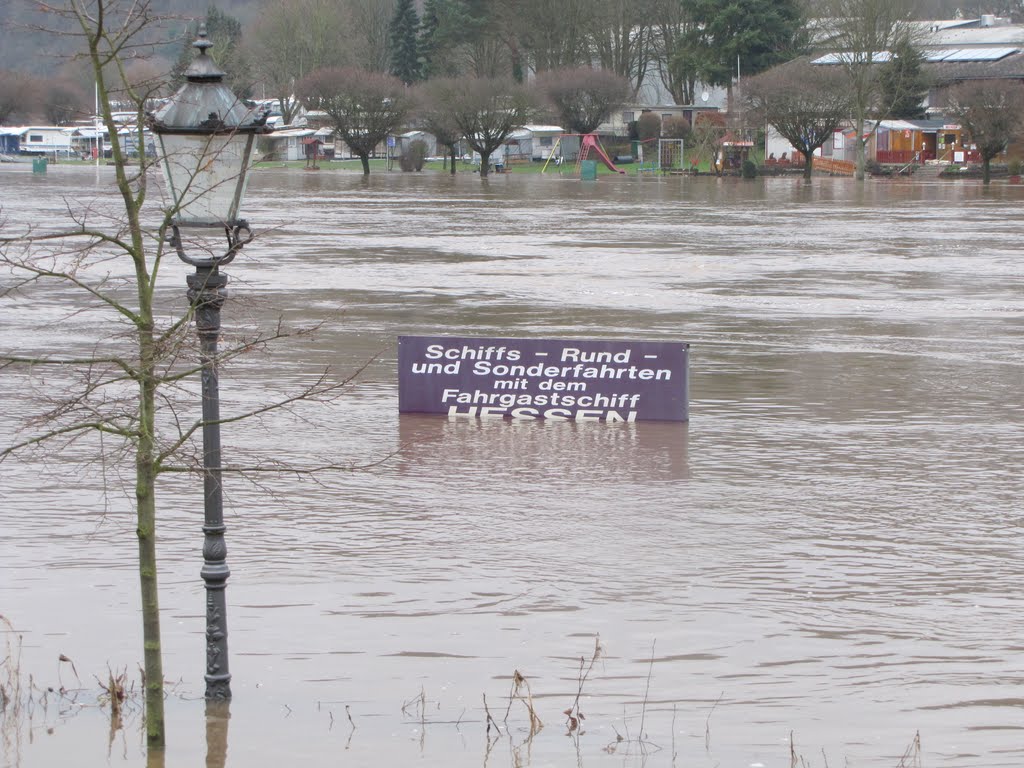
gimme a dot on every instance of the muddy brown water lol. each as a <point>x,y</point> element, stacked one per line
<point>831,548</point>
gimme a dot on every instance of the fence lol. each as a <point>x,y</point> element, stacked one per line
<point>834,167</point>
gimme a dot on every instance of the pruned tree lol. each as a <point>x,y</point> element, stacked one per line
<point>364,107</point>
<point>582,97</point>
<point>433,116</point>
<point>992,114</point>
<point>863,33</point>
<point>805,104</point>
<point>486,110</point>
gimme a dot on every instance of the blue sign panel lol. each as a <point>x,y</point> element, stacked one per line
<point>543,378</point>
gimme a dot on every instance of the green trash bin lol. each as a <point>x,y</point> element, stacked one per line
<point>588,170</point>
<point>38,165</point>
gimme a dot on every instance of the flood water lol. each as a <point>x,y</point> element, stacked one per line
<point>830,551</point>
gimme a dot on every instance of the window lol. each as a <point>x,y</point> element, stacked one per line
<point>545,141</point>
<point>627,117</point>
<point>36,137</point>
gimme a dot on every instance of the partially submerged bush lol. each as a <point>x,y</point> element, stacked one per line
<point>414,156</point>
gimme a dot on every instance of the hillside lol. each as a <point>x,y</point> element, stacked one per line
<point>24,47</point>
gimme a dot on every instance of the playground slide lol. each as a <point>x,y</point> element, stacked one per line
<point>590,142</point>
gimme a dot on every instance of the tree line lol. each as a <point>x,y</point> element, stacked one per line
<point>456,66</point>
<point>678,43</point>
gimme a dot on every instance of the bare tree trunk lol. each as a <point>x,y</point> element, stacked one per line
<point>454,157</point>
<point>862,153</point>
<point>485,162</point>
<point>364,158</point>
<point>146,530</point>
<point>146,468</point>
<point>986,170</point>
<point>808,165</point>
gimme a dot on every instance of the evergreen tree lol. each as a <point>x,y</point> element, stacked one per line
<point>754,34</point>
<point>404,43</point>
<point>903,83</point>
<point>430,42</point>
<point>446,28</point>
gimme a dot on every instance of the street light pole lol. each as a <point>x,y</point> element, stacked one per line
<point>206,293</point>
<point>206,137</point>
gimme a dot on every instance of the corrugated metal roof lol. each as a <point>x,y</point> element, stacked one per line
<point>935,55</point>
<point>978,36</point>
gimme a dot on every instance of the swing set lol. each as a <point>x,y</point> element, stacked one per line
<point>589,145</point>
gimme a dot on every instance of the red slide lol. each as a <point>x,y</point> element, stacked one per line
<point>589,142</point>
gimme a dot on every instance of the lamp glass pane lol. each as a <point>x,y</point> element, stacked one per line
<point>206,176</point>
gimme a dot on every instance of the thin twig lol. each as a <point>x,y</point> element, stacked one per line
<point>490,720</point>
<point>647,690</point>
<point>707,723</point>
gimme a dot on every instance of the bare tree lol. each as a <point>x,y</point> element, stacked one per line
<point>486,110</point>
<point>582,97</point>
<point>17,97</point>
<point>678,70</point>
<point>292,39</point>
<point>622,38</point>
<point>123,400</point>
<point>62,101</point>
<point>805,104</point>
<point>863,33</point>
<point>553,33</point>
<point>435,118</point>
<point>992,114</point>
<point>369,33</point>
<point>365,107</point>
<point>107,32</point>
<point>708,132</point>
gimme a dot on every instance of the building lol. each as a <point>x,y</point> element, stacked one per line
<point>291,144</point>
<point>531,143</point>
<point>955,52</point>
<point>51,140</point>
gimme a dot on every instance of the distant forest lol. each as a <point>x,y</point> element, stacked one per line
<point>24,48</point>
<point>270,48</point>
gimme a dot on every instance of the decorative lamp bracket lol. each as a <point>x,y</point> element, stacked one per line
<point>238,235</point>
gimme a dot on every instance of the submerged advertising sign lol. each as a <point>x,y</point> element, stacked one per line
<point>543,378</point>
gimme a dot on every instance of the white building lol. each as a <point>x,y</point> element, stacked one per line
<point>45,139</point>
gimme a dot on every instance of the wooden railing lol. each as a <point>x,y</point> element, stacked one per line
<point>834,167</point>
<point>903,156</point>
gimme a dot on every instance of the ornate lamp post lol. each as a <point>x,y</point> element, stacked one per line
<point>206,137</point>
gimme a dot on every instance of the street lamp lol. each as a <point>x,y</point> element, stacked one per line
<point>206,137</point>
